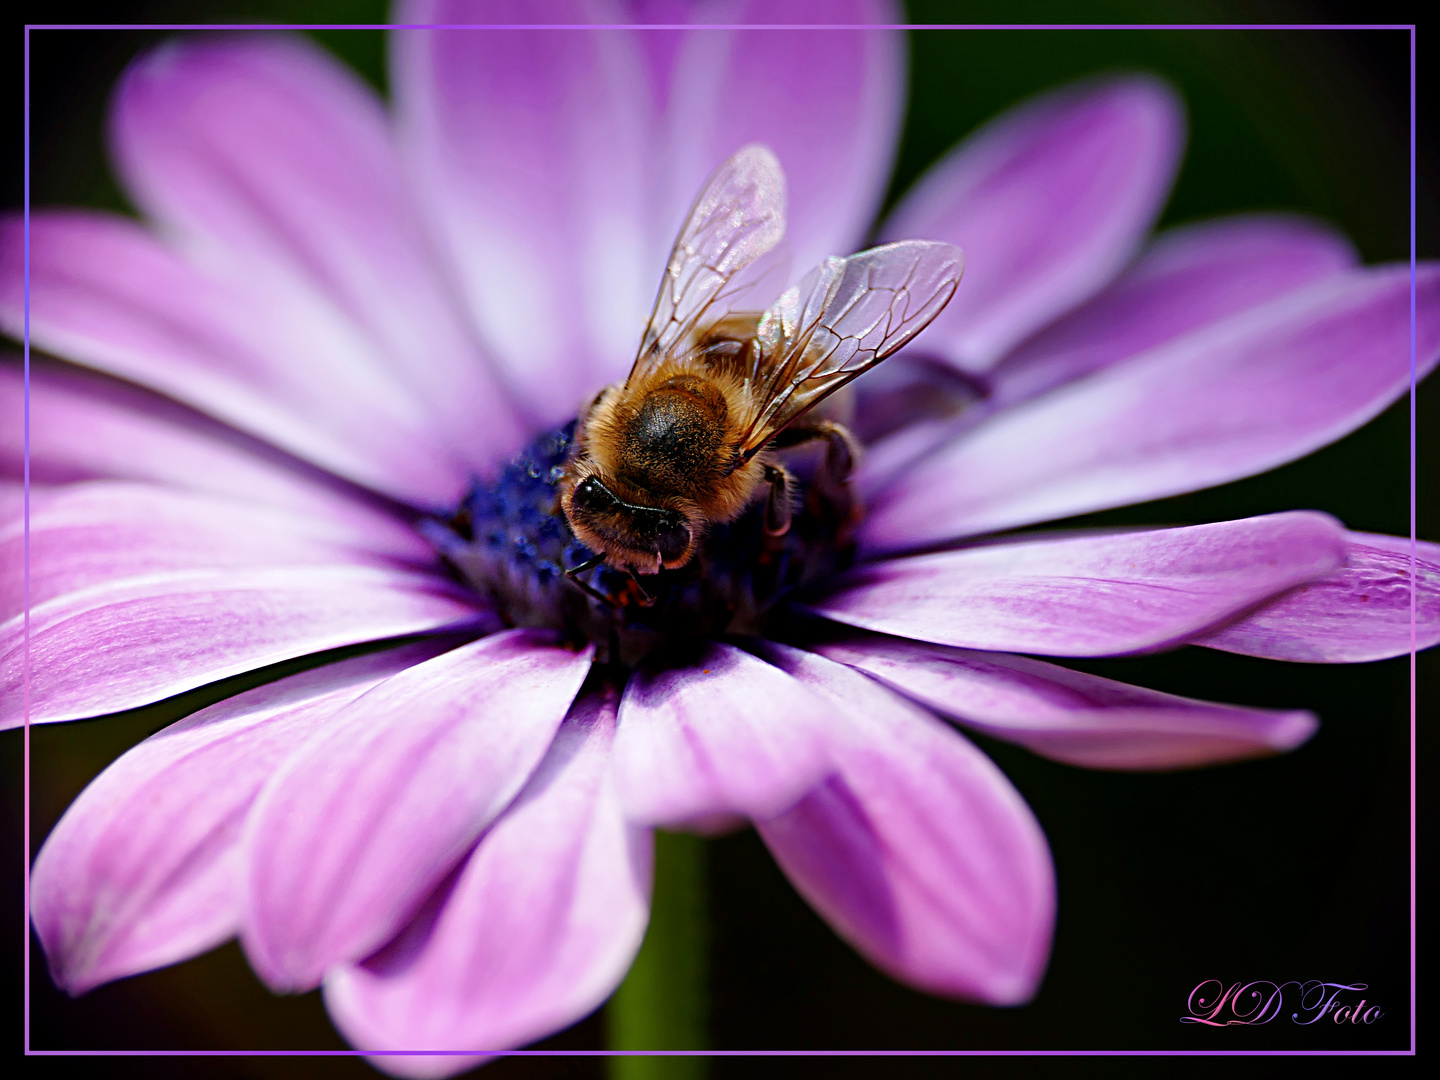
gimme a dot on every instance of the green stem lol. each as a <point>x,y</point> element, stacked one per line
<point>663,1003</point>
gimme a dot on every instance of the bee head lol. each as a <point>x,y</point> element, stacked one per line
<point>641,537</point>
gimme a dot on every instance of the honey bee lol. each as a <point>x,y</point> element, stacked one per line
<point>687,440</point>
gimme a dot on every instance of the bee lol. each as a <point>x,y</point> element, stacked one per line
<point>687,440</point>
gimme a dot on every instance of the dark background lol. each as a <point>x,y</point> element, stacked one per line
<point>1296,867</point>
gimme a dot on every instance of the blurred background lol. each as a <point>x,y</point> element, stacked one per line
<point>1296,867</point>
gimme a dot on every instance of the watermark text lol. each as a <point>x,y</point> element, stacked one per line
<point>1247,1004</point>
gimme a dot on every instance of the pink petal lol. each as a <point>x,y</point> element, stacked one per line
<point>140,591</point>
<point>1091,595</point>
<point>727,735</point>
<point>100,533</point>
<point>87,427</point>
<point>1357,613</point>
<point>1048,201</point>
<point>918,851</point>
<point>106,293</point>
<point>130,642</point>
<point>1191,276</point>
<point>12,501</point>
<point>529,154</point>
<point>355,830</point>
<point>1068,715</point>
<point>143,870</point>
<point>1230,400</point>
<point>827,102</point>
<point>271,162</point>
<point>539,928</point>
<point>558,166</point>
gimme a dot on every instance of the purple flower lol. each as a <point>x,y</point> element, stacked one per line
<point>336,321</point>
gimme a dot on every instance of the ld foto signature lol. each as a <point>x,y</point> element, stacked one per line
<point>1213,1004</point>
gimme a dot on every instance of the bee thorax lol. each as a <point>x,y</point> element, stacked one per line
<point>672,441</point>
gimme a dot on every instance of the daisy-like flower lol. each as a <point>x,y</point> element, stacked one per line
<point>327,401</point>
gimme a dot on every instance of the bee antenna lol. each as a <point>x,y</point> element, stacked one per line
<point>588,564</point>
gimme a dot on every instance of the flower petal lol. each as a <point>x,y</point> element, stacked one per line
<point>352,834</point>
<point>1190,277</point>
<point>106,293</point>
<point>1092,595</point>
<point>559,165</point>
<point>1071,716</point>
<point>827,102</point>
<point>528,151</point>
<point>143,870</point>
<point>727,735</point>
<point>102,532</point>
<point>137,640</point>
<point>270,160</point>
<point>1230,400</point>
<point>1357,613</point>
<point>1047,201</point>
<point>538,929</point>
<point>140,591</point>
<point>84,426</point>
<point>918,851</point>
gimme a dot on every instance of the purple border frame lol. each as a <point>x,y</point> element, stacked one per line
<point>25,663</point>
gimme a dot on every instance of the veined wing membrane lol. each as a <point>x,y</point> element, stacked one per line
<point>845,317</point>
<point>739,216</point>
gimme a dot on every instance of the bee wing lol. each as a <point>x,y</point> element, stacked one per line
<point>844,318</point>
<point>738,217</point>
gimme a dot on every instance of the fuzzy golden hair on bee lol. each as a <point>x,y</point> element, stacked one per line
<point>688,440</point>
<point>670,442</point>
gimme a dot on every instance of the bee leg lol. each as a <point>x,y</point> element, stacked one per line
<point>830,496</point>
<point>777,506</point>
<point>841,451</point>
<point>590,564</point>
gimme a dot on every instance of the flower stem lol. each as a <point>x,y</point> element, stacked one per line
<point>663,1004</point>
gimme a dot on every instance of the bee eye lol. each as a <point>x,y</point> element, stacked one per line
<point>591,494</point>
<point>672,538</point>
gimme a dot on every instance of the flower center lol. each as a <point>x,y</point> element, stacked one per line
<point>510,542</point>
